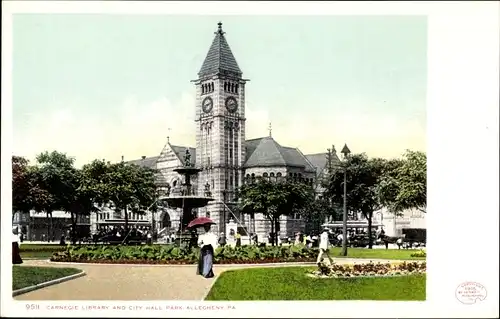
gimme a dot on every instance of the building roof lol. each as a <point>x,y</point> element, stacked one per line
<point>180,151</point>
<point>219,59</point>
<point>266,152</point>
<point>319,160</point>
<point>260,152</point>
<point>149,162</point>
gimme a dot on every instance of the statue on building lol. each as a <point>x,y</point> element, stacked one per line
<point>187,158</point>
<point>207,190</point>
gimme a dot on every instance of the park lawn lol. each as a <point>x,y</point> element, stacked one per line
<point>26,276</point>
<point>39,251</point>
<point>398,254</point>
<point>291,283</point>
<point>36,254</point>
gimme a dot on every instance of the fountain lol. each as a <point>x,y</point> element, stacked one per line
<point>186,198</point>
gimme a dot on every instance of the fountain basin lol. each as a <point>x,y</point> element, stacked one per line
<point>187,170</point>
<point>191,201</point>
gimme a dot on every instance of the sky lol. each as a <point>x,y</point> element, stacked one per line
<point>105,86</point>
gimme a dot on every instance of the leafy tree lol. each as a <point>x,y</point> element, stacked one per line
<point>130,188</point>
<point>404,185</point>
<point>274,199</point>
<point>319,210</point>
<point>89,193</point>
<point>21,186</point>
<point>363,177</point>
<point>56,176</point>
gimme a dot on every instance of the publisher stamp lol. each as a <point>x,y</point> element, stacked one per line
<point>470,292</point>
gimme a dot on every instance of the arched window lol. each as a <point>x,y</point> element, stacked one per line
<point>236,88</point>
<point>264,176</point>
<point>271,177</point>
<point>278,177</point>
<point>253,178</point>
<point>202,88</point>
<point>225,86</point>
<point>212,85</point>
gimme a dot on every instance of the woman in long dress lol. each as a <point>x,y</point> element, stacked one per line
<point>208,244</point>
<point>16,256</point>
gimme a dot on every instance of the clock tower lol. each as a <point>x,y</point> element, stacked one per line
<point>220,127</point>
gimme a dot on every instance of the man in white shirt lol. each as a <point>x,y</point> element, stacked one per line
<point>324,245</point>
<point>340,237</point>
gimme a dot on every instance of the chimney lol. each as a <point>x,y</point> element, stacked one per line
<point>123,157</point>
<point>143,157</point>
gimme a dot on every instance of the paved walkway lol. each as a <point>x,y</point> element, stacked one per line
<point>138,282</point>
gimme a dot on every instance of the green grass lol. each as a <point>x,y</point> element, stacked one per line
<point>25,276</point>
<point>400,254</point>
<point>39,251</point>
<point>291,283</point>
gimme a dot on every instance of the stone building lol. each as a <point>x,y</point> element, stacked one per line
<point>224,155</point>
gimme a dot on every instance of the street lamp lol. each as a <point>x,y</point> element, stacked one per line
<point>224,199</point>
<point>345,151</point>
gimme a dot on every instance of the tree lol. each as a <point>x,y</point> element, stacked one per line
<point>274,199</point>
<point>363,177</point>
<point>319,210</point>
<point>89,192</point>
<point>404,184</point>
<point>56,176</point>
<point>21,186</point>
<point>130,188</point>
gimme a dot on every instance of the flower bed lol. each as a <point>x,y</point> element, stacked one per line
<point>168,254</point>
<point>369,270</point>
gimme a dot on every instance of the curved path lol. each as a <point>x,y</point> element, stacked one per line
<point>139,282</point>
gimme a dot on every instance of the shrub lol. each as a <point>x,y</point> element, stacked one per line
<point>168,254</point>
<point>420,253</point>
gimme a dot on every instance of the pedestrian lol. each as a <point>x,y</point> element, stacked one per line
<point>255,239</point>
<point>16,256</point>
<point>208,244</point>
<point>238,240</point>
<point>324,246</point>
<point>340,238</point>
<point>399,242</point>
<point>62,242</point>
<point>308,241</point>
<point>297,238</point>
<point>222,239</point>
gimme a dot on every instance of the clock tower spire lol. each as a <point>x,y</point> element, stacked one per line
<point>220,126</point>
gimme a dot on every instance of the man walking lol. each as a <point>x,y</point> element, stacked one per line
<point>324,245</point>
<point>222,239</point>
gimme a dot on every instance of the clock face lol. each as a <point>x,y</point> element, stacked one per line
<point>207,104</point>
<point>231,104</point>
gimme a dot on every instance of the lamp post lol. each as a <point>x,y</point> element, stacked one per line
<point>224,194</point>
<point>345,152</point>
